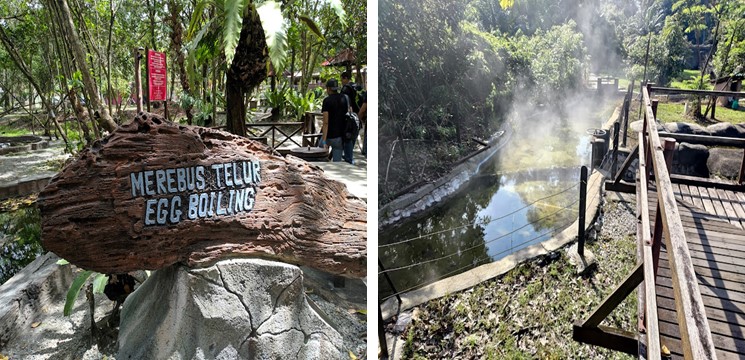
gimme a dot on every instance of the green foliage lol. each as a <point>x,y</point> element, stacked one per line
<point>557,59</point>
<point>338,8</point>
<point>202,109</point>
<point>74,290</point>
<point>21,229</point>
<point>275,30</point>
<point>232,27</point>
<point>731,51</point>
<point>99,283</point>
<point>667,53</point>
<point>300,104</point>
<point>312,26</point>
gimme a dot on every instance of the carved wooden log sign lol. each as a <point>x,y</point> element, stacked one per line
<point>154,193</point>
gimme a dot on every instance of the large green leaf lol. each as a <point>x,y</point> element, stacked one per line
<point>231,30</point>
<point>339,10</point>
<point>275,30</point>
<point>99,283</point>
<point>197,18</point>
<point>72,293</point>
<point>312,26</point>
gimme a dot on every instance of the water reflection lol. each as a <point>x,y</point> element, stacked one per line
<point>497,215</point>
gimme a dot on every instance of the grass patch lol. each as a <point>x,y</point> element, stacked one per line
<point>687,75</point>
<point>528,313</point>
<point>674,112</point>
<point>6,130</point>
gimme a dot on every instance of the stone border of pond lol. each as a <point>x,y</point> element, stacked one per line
<point>430,194</point>
<point>28,146</point>
<point>26,186</point>
<point>491,270</point>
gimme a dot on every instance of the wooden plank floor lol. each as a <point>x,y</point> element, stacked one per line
<point>713,220</point>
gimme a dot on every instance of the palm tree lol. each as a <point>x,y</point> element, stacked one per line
<point>251,33</point>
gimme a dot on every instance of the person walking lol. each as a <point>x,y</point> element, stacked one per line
<point>334,108</point>
<point>349,89</point>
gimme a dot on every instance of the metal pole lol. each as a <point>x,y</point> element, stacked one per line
<point>629,97</point>
<point>390,283</point>
<point>381,336</point>
<point>614,158</point>
<point>582,205</point>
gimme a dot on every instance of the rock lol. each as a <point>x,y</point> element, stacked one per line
<point>636,126</point>
<point>154,193</point>
<point>690,159</point>
<point>234,309</point>
<point>725,162</point>
<point>685,128</point>
<point>740,129</point>
<point>24,297</point>
<point>726,130</point>
<point>583,263</point>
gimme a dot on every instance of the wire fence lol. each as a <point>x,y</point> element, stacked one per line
<point>475,263</point>
<point>478,222</point>
<point>488,257</point>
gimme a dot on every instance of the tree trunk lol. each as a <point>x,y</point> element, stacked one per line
<point>18,61</point>
<point>110,91</point>
<point>177,31</point>
<point>102,114</point>
<point>247,71</point>
<point>71,93</point>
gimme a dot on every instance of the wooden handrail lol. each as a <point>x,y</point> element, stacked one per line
<point>693,324</point>
<point>708,140</point>
<point>650,294</point>
<point>664,90</point>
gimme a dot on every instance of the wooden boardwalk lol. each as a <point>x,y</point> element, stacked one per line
<point>713,220</point>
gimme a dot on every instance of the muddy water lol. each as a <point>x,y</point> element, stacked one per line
<point>523,197</point>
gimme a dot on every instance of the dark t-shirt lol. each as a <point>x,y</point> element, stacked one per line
<point>335,105</point>
<point>352,94</point>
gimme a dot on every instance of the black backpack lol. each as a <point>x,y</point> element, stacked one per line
<point>352,90</point>
<point>351,122</point>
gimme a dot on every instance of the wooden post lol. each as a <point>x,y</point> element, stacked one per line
<point>655,102</point>
<point>138,80</point>
<point>713,107</point>
<point>668,148</point>
<point>147,76</point>
<point>741,178</point>
<point>582,205</point>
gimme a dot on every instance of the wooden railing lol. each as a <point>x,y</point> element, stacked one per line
<point>264,129</point>
<point>693,324</point>
<point>655,162</point>
<point>708,140</point>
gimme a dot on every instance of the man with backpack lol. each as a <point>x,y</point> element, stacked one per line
<point>339,126</point>
<point>350,90</point>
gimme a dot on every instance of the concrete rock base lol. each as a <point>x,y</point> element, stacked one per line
<point>584,263</point>
<point>235,309</point>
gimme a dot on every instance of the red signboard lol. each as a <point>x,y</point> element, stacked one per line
<point>157,79</point>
